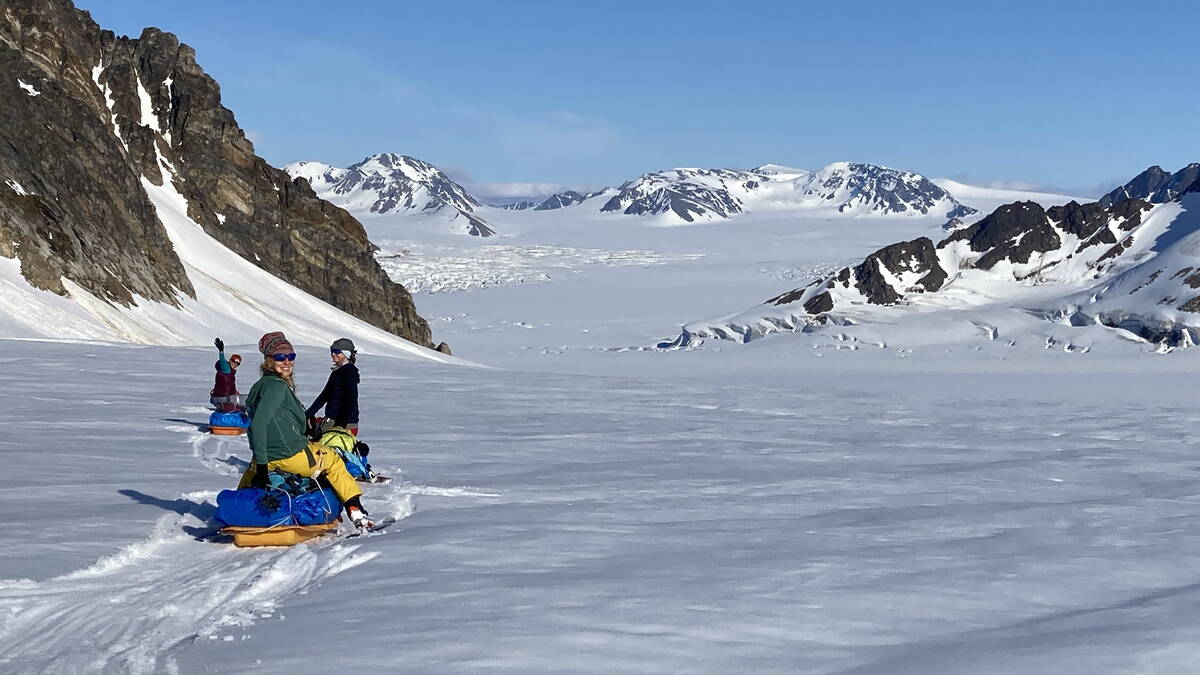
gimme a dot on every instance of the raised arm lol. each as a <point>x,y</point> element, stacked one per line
<point>221,365</point>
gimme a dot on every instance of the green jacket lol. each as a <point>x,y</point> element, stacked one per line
<point>277,420</point>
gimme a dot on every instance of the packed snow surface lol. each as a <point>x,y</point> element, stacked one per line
<point>835,517</point>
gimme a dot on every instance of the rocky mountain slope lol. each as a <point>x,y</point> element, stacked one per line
<point>1132,264</point>
<point>1155,185</point>
<point>392,183</point>
<point>92,121</point>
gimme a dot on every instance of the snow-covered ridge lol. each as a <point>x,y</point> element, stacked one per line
<point>689,195</point>
<point>233,297</point>
<point>1155,185</point>
<point>1133,265</point>
<point>558,200</point>
<point>392,183</point>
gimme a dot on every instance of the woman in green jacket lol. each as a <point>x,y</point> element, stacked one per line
<point>277,425</point>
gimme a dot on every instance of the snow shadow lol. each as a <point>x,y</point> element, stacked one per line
<point>204,511</point>
<point>202,426</point>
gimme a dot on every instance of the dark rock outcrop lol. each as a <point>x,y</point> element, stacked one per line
<point>1154,185</point>
<point>907,257</point>
<point>1011,232</point>
<point>79,148</point>
<point>71,202</point>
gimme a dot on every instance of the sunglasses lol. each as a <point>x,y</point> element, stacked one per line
<point>284,357</point>
<point>335,351</point>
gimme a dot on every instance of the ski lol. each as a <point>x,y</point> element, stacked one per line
<point>377,527</point>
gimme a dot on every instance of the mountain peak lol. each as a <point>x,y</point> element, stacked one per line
<point>391,182</point>
<point>1155,185</point>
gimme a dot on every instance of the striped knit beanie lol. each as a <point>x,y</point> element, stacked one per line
<point>275,343</point>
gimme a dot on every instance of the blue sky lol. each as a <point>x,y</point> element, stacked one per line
<point>1064,94</point>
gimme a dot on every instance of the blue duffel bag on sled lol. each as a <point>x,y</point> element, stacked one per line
<point>235,420</point>
<point>253,507</point>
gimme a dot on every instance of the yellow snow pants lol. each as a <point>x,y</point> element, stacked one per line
<point>313,459</point>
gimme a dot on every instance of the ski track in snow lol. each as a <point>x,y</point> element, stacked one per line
<point>128,611</point>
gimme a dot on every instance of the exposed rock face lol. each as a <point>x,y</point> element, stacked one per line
<point>72,204</point>
<point>882,279</point>
<point>1015,232</point>
<point>1012,232</point>
<point>1155,185</point>
<point>1029,238</point>
<point>901,262</point>
<point>106,111</point>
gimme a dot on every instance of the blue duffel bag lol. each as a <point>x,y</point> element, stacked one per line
<point>229,419</point>
<point>254,507</point>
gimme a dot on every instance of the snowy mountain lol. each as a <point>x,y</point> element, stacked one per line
<point>392,183</point>
<point>132,206</point>
<point>568,198</point>
<point>557,200</point>
<point>691,195</point>
<point>1155,185</point>
<point>523,205</point>
<point>1132,265</point>
<point>987,199</point>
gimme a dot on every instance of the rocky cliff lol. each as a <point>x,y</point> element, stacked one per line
<point>88,116</point>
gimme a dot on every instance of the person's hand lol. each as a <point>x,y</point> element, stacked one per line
<point>220,344</point>
<point>260,477</point>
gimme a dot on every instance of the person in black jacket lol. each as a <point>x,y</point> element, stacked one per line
<point>340,395</point>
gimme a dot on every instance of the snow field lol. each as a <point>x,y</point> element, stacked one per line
<point>822,521</point>
<point>1016,522</point>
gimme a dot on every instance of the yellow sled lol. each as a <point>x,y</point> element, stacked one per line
<point>279,535</point>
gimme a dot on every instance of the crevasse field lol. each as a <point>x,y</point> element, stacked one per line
<point>920,498</point>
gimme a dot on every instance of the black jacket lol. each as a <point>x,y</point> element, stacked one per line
<point>340,396</point>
